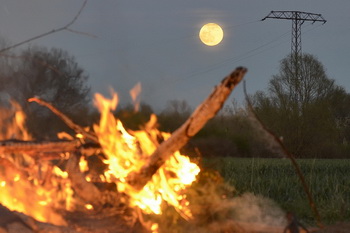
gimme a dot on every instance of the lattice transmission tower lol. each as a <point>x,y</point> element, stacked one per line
<point>298,18</point>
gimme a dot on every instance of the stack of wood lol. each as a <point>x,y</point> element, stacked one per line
<point>109,214</point>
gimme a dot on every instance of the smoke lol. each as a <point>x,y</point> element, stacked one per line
<point>250,208</point>
<point>217,208</point>
<point>245,213</point>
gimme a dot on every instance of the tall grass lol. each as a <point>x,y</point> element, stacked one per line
<point>329,182</point>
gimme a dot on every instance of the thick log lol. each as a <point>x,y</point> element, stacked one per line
<point>204,112</point>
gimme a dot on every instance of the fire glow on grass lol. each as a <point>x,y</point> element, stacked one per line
<point>128,152</point>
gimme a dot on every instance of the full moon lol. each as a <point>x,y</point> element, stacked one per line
<point>211,34</point>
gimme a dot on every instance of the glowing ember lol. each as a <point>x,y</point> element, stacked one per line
<point>24,194</point>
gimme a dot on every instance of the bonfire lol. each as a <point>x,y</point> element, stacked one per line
<point>142,182</point>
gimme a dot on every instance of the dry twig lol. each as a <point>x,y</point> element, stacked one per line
<point>66,27</point>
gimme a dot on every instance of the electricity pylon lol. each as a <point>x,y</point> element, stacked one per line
<point>298,18</point>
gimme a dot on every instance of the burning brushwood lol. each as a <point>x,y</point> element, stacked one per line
<point>145,173</point>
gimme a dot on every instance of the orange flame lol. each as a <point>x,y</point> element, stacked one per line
<point>134,93</point>
<point>128,151</point>
<point>23,194</point>
<point>12,123</point>
<point>21,191</point>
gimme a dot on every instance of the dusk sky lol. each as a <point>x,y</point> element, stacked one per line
<point>156,42</point>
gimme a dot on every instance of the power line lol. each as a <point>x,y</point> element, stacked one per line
<point>253,52</point>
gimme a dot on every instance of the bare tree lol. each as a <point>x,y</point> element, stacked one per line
<point>53,75</point>
<point>311,84</point>
<point>301,107</point>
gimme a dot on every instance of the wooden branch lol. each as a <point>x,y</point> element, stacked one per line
<point>42,150</point>
<point>204,112</point>
<point>65,119</point>
<point>49,32</point>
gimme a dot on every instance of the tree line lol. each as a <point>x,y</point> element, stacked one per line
<point>305,108</point>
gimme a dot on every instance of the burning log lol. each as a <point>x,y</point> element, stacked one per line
<point>46,150</point>
<point>204,112</point>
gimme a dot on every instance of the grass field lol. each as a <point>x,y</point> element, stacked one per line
<point>329,182</point>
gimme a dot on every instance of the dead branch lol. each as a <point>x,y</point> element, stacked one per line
<point>204,112</point>
<point>65,119</point>
<point>65,27</point>
<point>289,155</point>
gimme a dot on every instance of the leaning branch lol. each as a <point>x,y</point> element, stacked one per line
<point>289,156</point>
<point>66,27</point>
<point>204,112</point>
